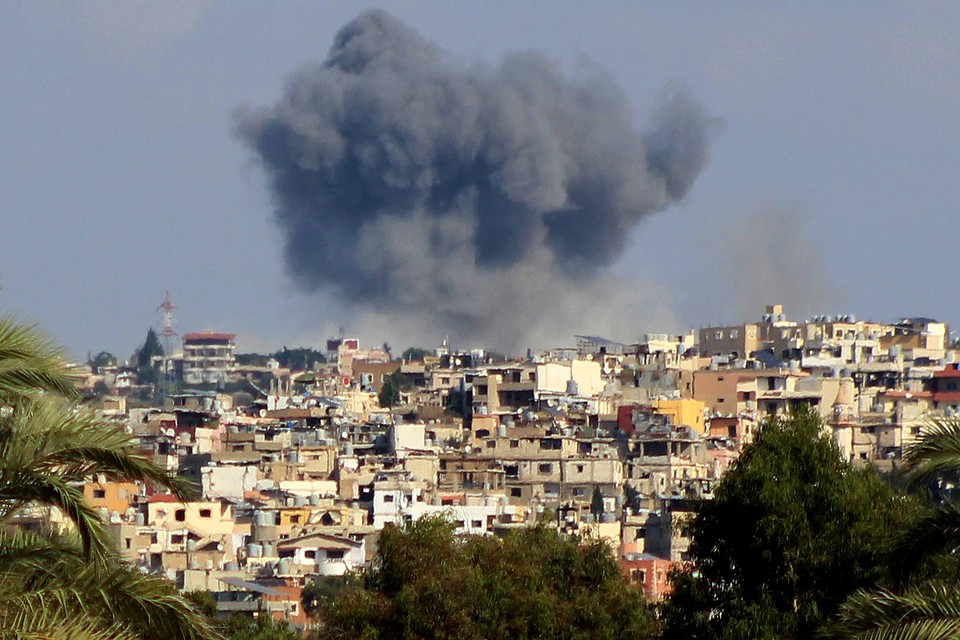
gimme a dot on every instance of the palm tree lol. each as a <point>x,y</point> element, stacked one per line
<point>30,363</point>
<point>926,609</point>
<point>72,585</point>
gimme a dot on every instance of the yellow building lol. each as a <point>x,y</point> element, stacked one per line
<point>112,496</point>
<point>683,411</point>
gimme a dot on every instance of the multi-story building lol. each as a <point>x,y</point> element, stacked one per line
<point>208,358</point>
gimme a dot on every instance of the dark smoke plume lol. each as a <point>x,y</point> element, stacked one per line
<point>482,201</point>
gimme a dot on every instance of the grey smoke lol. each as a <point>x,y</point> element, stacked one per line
<point>474,199</point>
<point>771,256</point>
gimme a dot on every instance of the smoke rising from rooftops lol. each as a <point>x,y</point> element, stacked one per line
<point>483,201</point>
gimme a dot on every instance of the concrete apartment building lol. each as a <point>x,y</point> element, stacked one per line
<point>299,482</point>
<point>208,358</point>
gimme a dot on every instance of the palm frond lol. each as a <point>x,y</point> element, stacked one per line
<point>24,551</point>
<point>40,626</point>
<point>20,489</point>
<point>51,587</point>
<point>116,594</point>
<point>48,435</point>
<point>935,452</point>
<point>30,362</point>
<point>927,612</point>
<point>936,531</point>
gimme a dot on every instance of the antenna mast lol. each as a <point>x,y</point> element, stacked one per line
<point>167,333</point>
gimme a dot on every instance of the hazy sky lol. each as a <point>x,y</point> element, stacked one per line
<point>832,187</point>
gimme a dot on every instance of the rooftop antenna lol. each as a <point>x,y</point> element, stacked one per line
<point>167,333</point>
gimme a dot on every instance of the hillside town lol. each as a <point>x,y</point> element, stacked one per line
<point>299,467</point>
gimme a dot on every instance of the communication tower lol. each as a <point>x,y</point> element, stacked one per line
<point>167,333</point>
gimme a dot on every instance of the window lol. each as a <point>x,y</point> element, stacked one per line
<point>99,493</point>
<point>476,524</point>
<point>545,468</point>
<point>180,515</point>
<point>515,492</point>
<point>491,444</point>
<point>295,518</point>
<point>580,468</point>
<point>578,492</point>
<point>720,400</point>
<point>154,539</point>
<point>204,513</point>
<point>127,542</point>
<point>310,553</point>
<point>388,498</point>
<point>514,444</point>
<point>176,539</point>
<point>334,554</point>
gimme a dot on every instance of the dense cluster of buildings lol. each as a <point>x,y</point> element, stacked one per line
<point>298,470</point>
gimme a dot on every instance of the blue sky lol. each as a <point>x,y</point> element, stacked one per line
<point>832,187</point>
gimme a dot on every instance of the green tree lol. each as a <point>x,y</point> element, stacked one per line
<point>70,585</point>
<point>299,358</point>
<point>263,627</point>
<point>103,359</point>
<point>323,589</point>
<point>792,531</point>
<point>632,498</point>
<point>533,583</point>
<point>926,606</point>
<point>415,354</point>
<point>240,626</point>
<point>150,348</point>
<point>389,395</point>
<point>147,373</point>
<point>596,502</point>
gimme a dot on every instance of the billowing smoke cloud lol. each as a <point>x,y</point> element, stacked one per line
<point>483,201</point>
<point>771,256</point>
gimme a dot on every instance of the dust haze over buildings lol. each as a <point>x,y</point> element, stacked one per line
<point>484,201</point>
